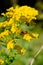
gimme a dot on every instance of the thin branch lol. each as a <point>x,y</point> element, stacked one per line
<point>33,59</point>
<point>38,52</point>
<point>36,55</point>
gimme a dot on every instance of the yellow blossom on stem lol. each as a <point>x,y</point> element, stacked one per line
<point>5,23</point>
<point>27,37</point>
<point>35,35</point>
<point>5,33</point>
<point>3,14</point>
<point>10,9</point>
<point>1,62</point>
<point>11,21</point>
<point>1,24</point>
<point>18,31</point>
<point>10,45</point>
<point>23,51</point>
<point>14,29</point>
<point>24,11</point>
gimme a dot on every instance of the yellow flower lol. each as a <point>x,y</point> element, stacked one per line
<point>11,21</point>
<point>9,14</point>
<point>27,37</point>
<point>15,29</point>
<point>10,9</point>
<point>3,14</point>
<point>23,51</point>
<point>1,24</point>
<point>23,11</point>
<point>1,62</point>
<point>5,33</point>
<point>10,45</point>
<point>18,31</point>
<point>35,35</point>
<point>5,23</point>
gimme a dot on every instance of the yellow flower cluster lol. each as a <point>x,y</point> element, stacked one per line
<point>17,14</point>
<point>23,11</point>
<point>1,62</point>
<point>27,37</point>
<point>6,23</point>
<point>3,34</point>
<point>35,35</point>
<point>10,45</point>
<point>23,51</point>
<point>11,23</point>
<point>2,24</point>
<point>15,29</point>
<point>9,13</point>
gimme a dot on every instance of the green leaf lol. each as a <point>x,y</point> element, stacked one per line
<point>2,18</point>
